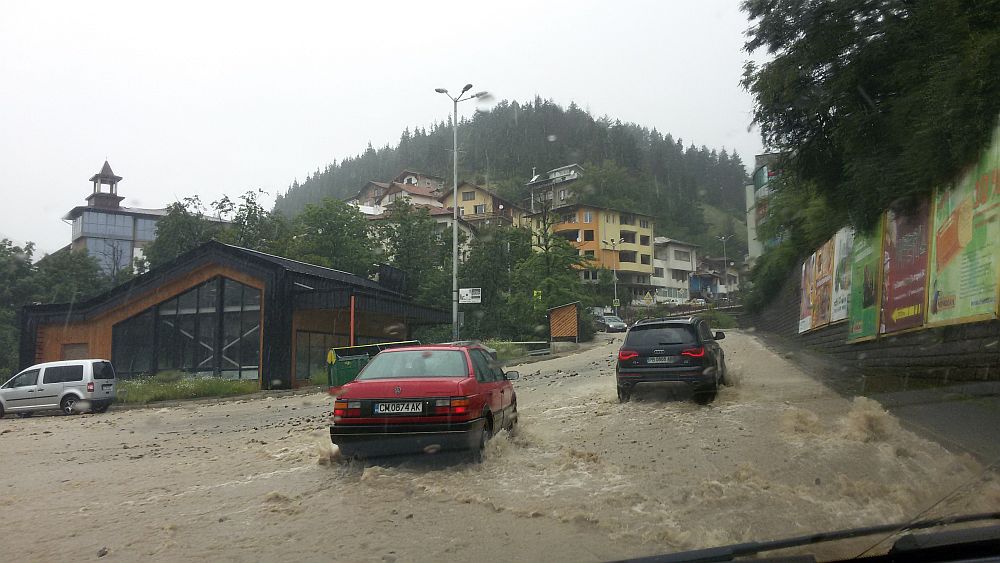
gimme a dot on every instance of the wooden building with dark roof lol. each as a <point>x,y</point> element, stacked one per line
<point>225,311</point>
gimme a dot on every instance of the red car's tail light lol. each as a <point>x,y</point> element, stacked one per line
<point>455,405</point>
<point>347,408</point>
<point>624,355</point>
<point>694,352</point>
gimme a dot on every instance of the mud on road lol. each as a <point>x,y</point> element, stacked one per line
<point>583,478</point>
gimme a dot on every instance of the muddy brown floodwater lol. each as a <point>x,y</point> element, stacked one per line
<point>584,477</point>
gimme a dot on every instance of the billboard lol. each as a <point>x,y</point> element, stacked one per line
<point>866,275</point>
<point>905,244</point>
<point>843,243</point>
<point>822,285</point>
<point>807,289</point>
<point>965,246</point>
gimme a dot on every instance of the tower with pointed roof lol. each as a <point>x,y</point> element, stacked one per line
<point>105,199</point>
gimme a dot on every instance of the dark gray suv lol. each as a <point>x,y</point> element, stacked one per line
<point>672,350</point>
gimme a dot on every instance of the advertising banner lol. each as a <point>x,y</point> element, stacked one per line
<point>807,289</point>
<point>823,286</point>
<point>965,247</point>
<point>843,243</point>
<point>866,275</point>
<point>905,244</point>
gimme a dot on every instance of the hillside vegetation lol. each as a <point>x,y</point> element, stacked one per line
<point>627,166</point>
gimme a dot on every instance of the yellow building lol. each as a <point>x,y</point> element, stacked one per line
<point>480,206</point>
<point>617,240</point>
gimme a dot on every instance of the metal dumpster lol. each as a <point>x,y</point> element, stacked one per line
<point>345,363</point>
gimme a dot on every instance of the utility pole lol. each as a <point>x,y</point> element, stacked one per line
<point>614,272</point>
<point>725,262</point>
<point>454,222</point>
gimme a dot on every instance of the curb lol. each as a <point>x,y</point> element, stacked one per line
<point>259,395</point>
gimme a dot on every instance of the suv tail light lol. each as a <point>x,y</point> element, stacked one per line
<point>625,355</point>
<point>694,352</point>
<point>90,387</point>
<point>454,405</point>
<point>347,408</point>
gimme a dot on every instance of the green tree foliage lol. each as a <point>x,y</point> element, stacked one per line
<point>492,259</point>
<point>874,101</point>
<point>252,226</point>
<point>16,290</point>
<point>335,235</point>
<point>69,276</point>
<point>416,244</point>
<point>184,228</point>
<point>655,173</point>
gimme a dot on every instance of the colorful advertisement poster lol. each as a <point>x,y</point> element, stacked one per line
<point>843,243</point>
<point>965,247</point>
<point>823,286</point>
<point>807,288</point>
<point>866,274</point>
<point>904,269</point>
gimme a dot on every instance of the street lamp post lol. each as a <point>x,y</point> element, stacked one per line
<point>614,271</point>
<point>725,262</point>
<point>454,222</point>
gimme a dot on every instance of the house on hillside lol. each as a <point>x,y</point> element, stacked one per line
<point>481,207</point>
<point>552,187</point>
<point>420,179</point>
<point>415,194</point>
<point>369,195</point>
<point>674,262</point>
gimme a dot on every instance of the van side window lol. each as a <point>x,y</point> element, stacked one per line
<point>25,379</point>
<point>63,374</point>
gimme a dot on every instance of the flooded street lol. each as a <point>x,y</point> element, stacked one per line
<point>583,478</point>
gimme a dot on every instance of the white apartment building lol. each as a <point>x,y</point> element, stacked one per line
<point>673,263</point>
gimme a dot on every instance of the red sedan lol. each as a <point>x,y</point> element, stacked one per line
<point>424,399</point>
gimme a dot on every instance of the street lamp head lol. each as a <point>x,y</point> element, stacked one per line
<point>467,88</point>
<point>481,94</point>
<point>441,90</point>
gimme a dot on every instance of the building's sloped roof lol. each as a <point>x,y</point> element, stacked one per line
<point>444,195</point>
<point>668,240</point>
<point>106,174</point>
<point>310,269</point>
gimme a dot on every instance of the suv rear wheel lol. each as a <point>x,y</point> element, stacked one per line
<point>624,394</point>
<point>706,395</point>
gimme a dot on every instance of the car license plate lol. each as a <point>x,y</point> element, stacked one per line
<point>660,360</point>
<point>399,408</point>
<point>107,386</point>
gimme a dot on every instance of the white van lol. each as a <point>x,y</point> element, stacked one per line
<point>71,386</point>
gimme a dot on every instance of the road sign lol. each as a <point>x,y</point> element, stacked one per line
<point>470,295</point>
<point>616,303</point>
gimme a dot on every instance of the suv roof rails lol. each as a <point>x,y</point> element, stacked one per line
<point>679,320</point>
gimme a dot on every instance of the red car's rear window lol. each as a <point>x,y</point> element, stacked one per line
<point>416,363</point>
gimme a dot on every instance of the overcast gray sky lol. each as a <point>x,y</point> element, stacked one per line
<point>213,98</point>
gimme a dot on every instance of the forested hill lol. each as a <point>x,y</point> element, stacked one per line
<point>626,165</point>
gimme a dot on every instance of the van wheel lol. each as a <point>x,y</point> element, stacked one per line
<point>103,408</point>
<point>68,404</point>
<point>25,414</point>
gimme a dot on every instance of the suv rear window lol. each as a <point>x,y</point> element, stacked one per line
<point>104,370</point>
<point>63,374</point>
<point>655,335</point>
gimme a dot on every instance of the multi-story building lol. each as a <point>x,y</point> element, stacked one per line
<point>480,206</point>
<point>112,234</point>
<point>610,238</point>
<point>757,195</point>
<point>674,262</point>
<point>552,188</point>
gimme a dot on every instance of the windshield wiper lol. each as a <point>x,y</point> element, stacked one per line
<point>729,552</point>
